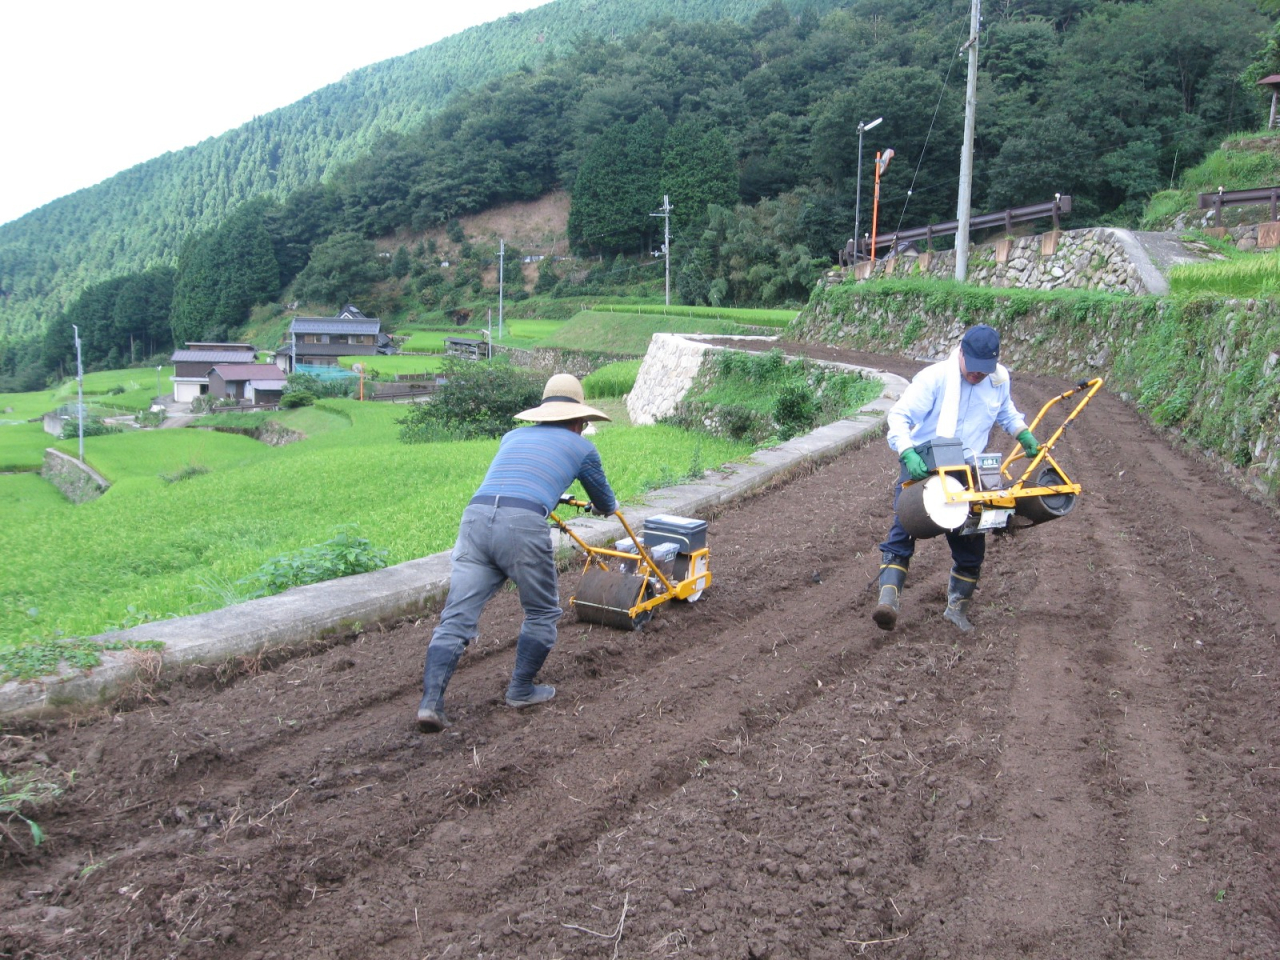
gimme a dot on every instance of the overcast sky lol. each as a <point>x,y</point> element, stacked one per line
<point>93,88</point>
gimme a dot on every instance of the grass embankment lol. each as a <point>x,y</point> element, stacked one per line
<point>624,333</point>
<point>1235,166</point>
<point>752,317</point>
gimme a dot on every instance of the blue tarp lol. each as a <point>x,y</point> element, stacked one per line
<point>324,373</point>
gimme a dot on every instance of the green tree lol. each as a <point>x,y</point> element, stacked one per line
<point>751,256</point>
<point>140,313</point>
<point>698,170</point>
<point>342,269</point>
<point>222,274</point>
<point>617,188</point>
<point>306,217</point>
<point>547,276</point>
<point>400,263</point>
<point>476,400</point>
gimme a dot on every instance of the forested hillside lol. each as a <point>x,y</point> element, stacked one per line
<point>141,216</point>
<point>745,113</point>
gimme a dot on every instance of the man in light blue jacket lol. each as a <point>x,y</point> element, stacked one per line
<point>962,396</point>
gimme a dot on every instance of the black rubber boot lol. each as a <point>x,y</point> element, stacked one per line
<point>522,691</point>
<point>893,574</point>
<point>964,580</point>
<point>435,677</point>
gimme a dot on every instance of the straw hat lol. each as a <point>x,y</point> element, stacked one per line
<point>561,400</point>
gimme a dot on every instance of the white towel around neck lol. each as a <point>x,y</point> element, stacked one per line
<point>950,412</point>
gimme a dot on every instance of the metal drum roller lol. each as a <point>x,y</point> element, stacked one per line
<point>610,599</point>
<point>621,586</point>
<point>1049,506</point>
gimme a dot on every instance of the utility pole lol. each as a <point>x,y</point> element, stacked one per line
<point>665,213</point>
<point>966,151</point>
<point>502,250</point>
<point>882,163</point>
<point>79,390</point>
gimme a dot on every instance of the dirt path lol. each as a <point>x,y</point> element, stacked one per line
<point>761,774</point>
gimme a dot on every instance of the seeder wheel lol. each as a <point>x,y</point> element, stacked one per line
<point>607,597</point>
<point>1048,507</point>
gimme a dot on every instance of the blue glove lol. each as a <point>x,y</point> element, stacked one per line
<point>1029,444</point>
<point>914,463</point>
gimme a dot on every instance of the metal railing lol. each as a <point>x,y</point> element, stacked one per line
<point>1239,198</point>
<point>1054,208</point>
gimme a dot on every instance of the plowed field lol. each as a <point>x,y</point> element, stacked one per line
<point>761,774</point>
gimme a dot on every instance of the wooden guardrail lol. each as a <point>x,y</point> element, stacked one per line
<point>1239,198</point>
<point>1054,208</point>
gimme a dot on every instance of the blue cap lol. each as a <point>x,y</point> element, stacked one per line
<point>981,349</point>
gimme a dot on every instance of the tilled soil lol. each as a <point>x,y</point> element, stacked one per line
<point>761,774</point>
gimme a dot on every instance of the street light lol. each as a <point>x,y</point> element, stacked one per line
<point>857,203</point>
<point>158,393</point>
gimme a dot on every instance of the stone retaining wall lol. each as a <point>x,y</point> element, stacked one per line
<point>578,362</point>
<point>78,482</point>
<point>665,376</point>
<point>1093,259</point>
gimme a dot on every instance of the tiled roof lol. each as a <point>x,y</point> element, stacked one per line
<point>210,356</point>
<point>333,325</point>
<point>250,371</point>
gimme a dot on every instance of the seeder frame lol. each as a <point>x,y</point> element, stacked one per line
<point>646,570</point>
<point>1022,488</point>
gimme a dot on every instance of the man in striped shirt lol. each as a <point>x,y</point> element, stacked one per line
<point>504,535</point>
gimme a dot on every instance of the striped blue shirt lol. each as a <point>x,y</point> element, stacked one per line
<point>539,462</point>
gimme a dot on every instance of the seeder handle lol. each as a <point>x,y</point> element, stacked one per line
<point>1046,445</point>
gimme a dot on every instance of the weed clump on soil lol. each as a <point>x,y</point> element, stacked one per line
<point>20,793</point>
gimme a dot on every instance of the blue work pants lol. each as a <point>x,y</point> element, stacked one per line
<point>496,544</point>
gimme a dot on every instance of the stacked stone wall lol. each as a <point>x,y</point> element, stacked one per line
<point>665,376</point>
<point>1233,418</point>
<point>580,363</point>
<point>1093,259</point>
<point>78,482</point>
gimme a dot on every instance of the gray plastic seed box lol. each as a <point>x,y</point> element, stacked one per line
<point>689,534</point>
